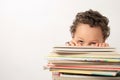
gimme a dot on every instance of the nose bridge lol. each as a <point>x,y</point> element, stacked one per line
<point>86,44</point>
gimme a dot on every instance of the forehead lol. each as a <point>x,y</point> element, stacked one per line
<point>86,32</point>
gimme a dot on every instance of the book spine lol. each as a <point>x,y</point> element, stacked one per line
<point>56,76</point>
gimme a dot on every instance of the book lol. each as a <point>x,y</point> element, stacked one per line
<point>87,72</point>
<point>73,62</point>
<point>66,76</point>
<point>85,55</point>
<point>85,67</point>
<point>86,59</point>
<point>77,49</point>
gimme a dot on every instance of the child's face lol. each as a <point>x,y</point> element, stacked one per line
<point>87,36</point>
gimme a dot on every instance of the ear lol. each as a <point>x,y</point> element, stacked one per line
<point>72,34</point>
<point>104,40</point>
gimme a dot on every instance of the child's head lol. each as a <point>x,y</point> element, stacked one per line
<point>90,27</point>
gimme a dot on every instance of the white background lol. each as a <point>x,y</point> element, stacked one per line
<point>29,29</point>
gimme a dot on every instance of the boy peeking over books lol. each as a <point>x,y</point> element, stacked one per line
<point>90,28</point>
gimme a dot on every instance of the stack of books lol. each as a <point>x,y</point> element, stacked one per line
<point>88,63</point>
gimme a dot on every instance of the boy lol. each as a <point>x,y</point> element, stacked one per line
<point>89,28</point>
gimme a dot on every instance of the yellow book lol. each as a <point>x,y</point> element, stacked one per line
<point>89,55</point>
<point>88,72</point>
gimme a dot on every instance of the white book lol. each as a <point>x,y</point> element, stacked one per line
<point>78,49</point>
<point>63,76</point>
<point>89,77</point>
<point>85,59</point>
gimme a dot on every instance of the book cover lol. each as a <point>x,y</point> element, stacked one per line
<point>82,49</point>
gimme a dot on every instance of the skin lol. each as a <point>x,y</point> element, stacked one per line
<point>87,36</point>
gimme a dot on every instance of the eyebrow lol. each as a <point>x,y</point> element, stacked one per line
<point>80,38</point>
<point>91,41</point>
<point>95,41</point>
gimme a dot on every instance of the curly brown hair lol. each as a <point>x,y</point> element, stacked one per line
<point>94,19</point>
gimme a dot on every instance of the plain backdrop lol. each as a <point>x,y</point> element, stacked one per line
<point>30,28</point>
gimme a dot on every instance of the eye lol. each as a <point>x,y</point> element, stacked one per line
<point>92,43</point>
<point>80,41</point>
